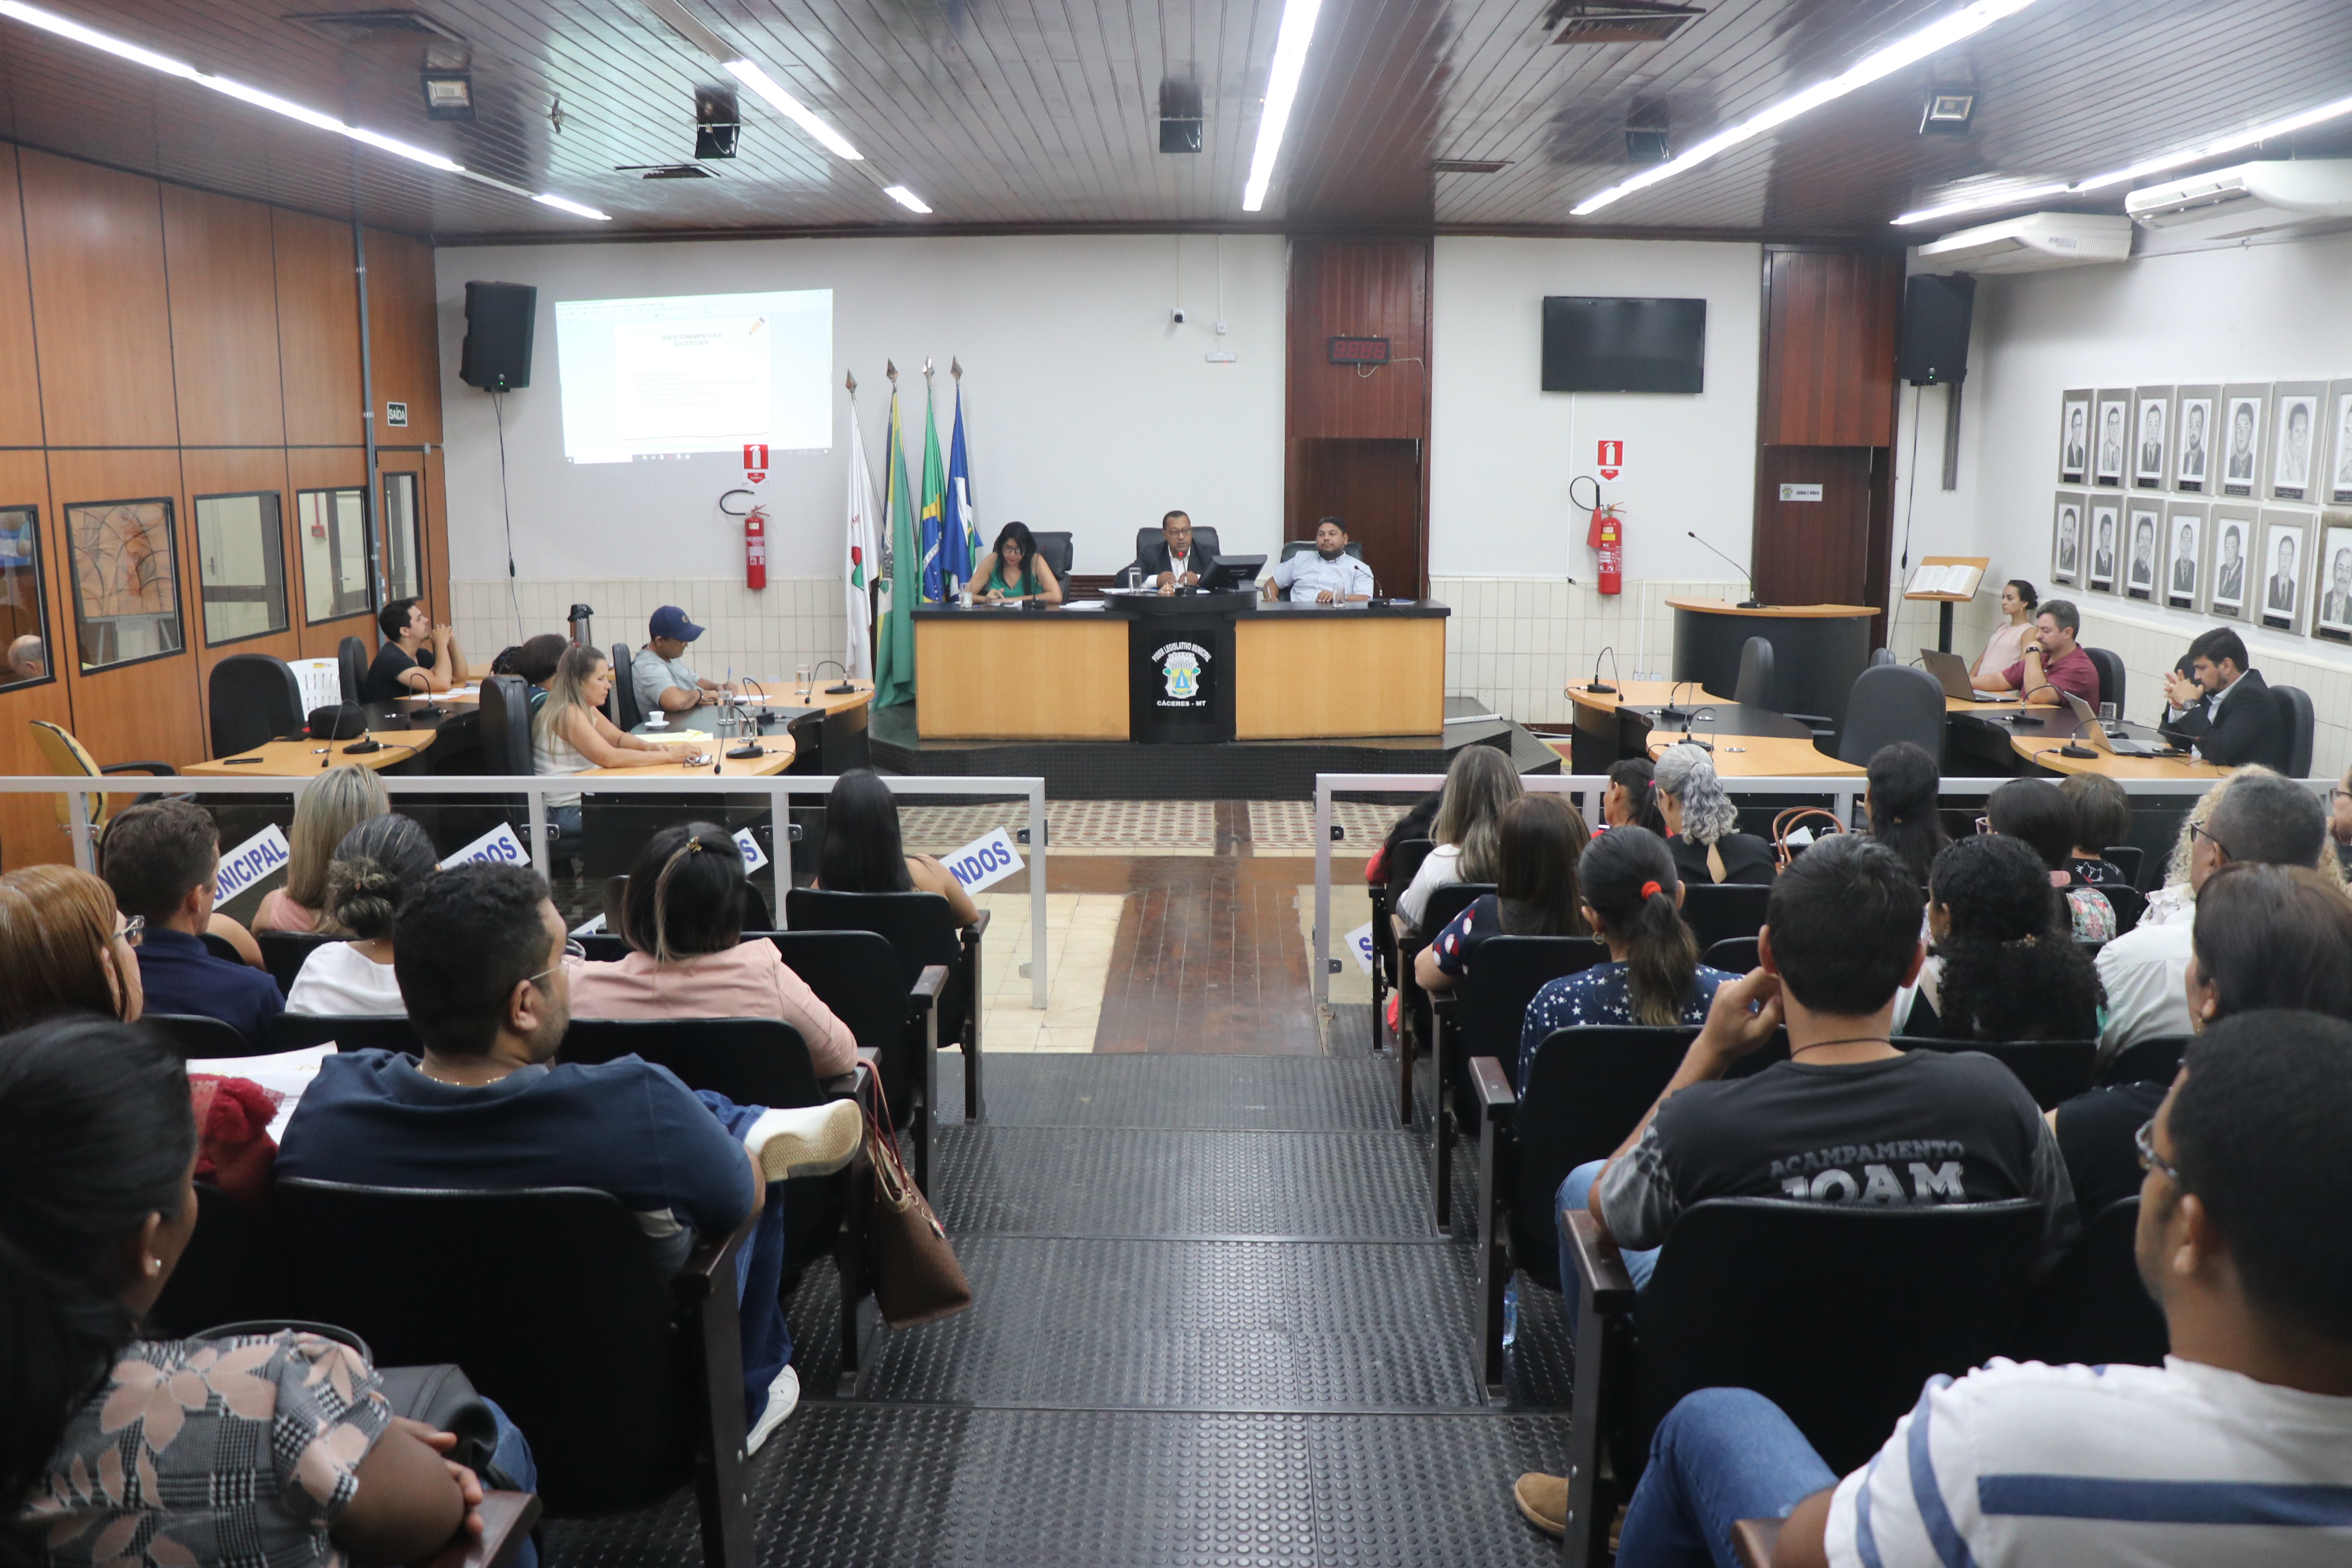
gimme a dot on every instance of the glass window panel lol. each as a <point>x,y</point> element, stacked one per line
<point>23,608</point>
<point>126,582</point>
<point>241,561</point>
<point>334,552</point>
<point>400,526</point>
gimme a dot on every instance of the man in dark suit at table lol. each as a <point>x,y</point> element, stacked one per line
<point>2223,709</point>
<point>1175,561</point>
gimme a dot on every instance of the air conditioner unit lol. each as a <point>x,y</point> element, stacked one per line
<point>2034,243</point>
<point>2251,198</point>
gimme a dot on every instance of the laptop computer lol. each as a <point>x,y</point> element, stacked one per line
<point>2088,728</point>
<point>1952,670</point>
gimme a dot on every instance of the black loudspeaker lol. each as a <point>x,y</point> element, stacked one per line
<point>498,321</point>
<point>1935,313</point>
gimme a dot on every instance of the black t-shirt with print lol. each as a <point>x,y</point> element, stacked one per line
<point>1926,1127</point>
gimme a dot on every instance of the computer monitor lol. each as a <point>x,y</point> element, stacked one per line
<point>1234,571</point>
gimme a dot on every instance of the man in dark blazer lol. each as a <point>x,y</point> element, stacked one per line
<point>1176,560</point>
<point>2223,709</point>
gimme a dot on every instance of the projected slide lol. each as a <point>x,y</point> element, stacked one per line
<point>699,373</point>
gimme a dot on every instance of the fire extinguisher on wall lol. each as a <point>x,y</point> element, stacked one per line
<point>755,548</point>
<point>1606,536</point>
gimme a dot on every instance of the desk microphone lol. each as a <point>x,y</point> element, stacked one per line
<point>1598,686</point>
<point>1670,714</point>
<point>1755,601</point>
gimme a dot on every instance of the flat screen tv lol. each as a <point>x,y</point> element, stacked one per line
<point>1623,345</point>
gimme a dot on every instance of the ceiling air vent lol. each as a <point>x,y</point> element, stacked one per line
<point>1616,21</point>
<point>666,171</point>
<point>366,27</point>
<point>1469,165</point>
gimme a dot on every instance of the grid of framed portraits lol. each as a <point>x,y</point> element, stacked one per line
<point>2259,441</point>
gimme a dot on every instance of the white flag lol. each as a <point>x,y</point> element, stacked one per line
<point>863,554</point>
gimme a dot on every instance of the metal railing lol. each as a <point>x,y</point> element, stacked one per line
<point>1843,792</point>
<point>779,790</point>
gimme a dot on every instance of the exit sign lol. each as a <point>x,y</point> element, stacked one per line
<point>1359,351</point>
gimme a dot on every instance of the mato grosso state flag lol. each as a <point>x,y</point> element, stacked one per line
<point>894,661</point>
<point>960,550</point>
<point>865,554</point>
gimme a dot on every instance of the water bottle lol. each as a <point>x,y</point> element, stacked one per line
<point>1511,1313</point>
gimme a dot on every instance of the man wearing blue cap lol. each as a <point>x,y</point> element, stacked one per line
<point>665,683</point>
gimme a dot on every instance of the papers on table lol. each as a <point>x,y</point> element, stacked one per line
<point>286,1074</point>
<point>1958,577</point>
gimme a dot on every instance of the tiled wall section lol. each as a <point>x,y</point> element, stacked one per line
<point>761,632</point>
<point>1515,642</point>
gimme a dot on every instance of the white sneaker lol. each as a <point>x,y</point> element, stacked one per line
<point>807,1141</point>
<point>783,1398</point>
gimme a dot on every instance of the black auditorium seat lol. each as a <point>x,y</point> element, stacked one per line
<point>2091,1310</point>
<point>1416,1019</point>
<point>283,953</point>
<point>253,698</point>
<point>1717,911</point>
<point>2053,1071</point>
<point>1403,865</point>
<point>352,659</point>
<point>922,931</point>
<point>198,1038</point>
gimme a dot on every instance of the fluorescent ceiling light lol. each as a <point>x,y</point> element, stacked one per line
<point>1281,93</point>
<point>2141,170</point>
<point>48,22</point>
<point>574,208</point>
<point>791,108</point>
<point>1965,22</point>
<point>906,198</point>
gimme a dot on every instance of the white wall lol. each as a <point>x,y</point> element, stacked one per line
<point>1503,452</point>
<point>1085,407</point>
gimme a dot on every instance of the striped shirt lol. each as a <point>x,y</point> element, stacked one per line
<point>2093,1466</point>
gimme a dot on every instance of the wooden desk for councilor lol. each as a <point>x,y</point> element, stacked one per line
<point>2059,726</point>
<point>776,755</point>
<point>292,759</point>
<point>1748,743</point>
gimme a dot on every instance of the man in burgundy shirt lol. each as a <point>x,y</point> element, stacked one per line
<point>2053,659</point>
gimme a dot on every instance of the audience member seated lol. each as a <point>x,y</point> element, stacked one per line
<point>481,956</point>
<point>569,734</point>
<point>28,660</point>
<point>1900,803</point>
<point>1479,783</point>
<point>335,803</point>
<point>417,659</point>
<point>2224,709</point>
<point>1538,839</point>
<point>2006,647</point>
<point>864,853</point>
<point>2233,1451</point>
<point>1633,901</point>
<point>1416,823</point>
<point>377,868</point>
<point>2033,811</point>
<point>64,948</point>
<point>665,682</point>
<point>684,921</point>
<point>160,859</point>
<point>2266,938</point>
<point>2052,662</point>
<point>1632,797</point>
<point>1014,569</point>
<point>535,661</point>
<point>2002,966</point>
<point>1702,825</point>
<point>2261,819</point>
<point>1840,939</point>
<point>265,1447</point>
<point>2101,816</point>
<point>2339,819</point>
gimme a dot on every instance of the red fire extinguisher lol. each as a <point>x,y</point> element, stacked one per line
<point>1608,537</point>
<point>755,548</point>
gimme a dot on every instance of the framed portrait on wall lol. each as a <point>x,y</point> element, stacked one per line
<point>2111,442</point>
<point>2337,458</point>
<point>2193,438</point>
<point>2104,523</point>
<point>2331,613</point>
<point>2285,566</point>
<point>2296,436</point>
<point>2233,544</point>
<point>2151,420</point>
<point>2184,560</point>
<point>2075,436</point>
<point>2066,537</point>
<point>2240,439</point>
<point>2143,523</point>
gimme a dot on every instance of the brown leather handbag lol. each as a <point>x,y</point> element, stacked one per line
<point>1797,817</point>
<point>915,1277</point>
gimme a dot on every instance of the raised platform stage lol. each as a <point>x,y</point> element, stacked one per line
<point>1229,770</point>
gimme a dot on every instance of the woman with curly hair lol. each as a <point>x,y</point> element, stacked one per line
<point>2003,965</point>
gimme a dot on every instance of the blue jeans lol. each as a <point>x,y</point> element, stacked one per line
<point>565,820</point>
<point>1720,1456</point>
<point>759,1275</point>
<point>512,1455</point>
<point>1575,1194</point>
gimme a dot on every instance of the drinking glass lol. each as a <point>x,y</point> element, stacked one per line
<point>800,678</point>
<point>2107,713</point>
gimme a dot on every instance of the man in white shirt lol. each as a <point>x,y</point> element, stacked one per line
<point>2261,820</point>
<point>1329,576</point>
<point>2237,1451</point>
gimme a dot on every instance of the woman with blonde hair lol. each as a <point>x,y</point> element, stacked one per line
<point>1702,825</point>
<point>1478,785</point>
<point>331,805</point>
<point>64,948</point>
<point>570,734</point>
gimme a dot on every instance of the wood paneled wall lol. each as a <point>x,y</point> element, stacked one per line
<point>166,342</point>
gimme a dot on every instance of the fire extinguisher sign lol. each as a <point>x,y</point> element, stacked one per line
<point>755,461</point>
<point>1612,460</point>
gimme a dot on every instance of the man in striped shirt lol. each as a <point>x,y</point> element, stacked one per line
<point>2237,1451</point>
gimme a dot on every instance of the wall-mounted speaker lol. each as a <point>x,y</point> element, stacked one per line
<point>1935,313</point>
<point>498,321</point>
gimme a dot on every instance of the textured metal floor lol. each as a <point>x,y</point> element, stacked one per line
<point>1213,1326</point>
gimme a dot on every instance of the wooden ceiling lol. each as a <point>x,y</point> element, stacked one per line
<point>1022,114</point>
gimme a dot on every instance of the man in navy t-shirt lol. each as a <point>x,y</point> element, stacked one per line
<point>162,859</point>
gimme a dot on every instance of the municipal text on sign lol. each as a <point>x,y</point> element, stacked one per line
<point>249,862</point>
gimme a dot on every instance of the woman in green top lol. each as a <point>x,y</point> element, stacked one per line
<point>1014,569</point>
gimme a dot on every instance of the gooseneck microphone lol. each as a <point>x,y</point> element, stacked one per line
<point>1598,686</point>
<point>1755,601</point>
